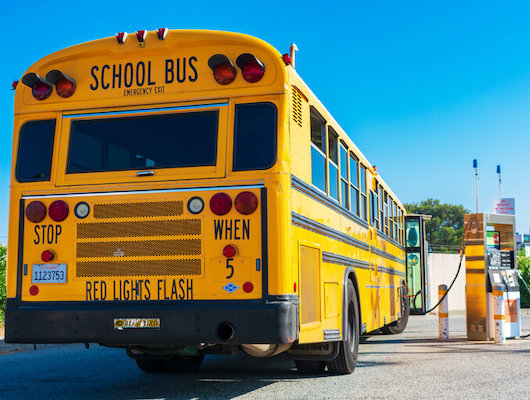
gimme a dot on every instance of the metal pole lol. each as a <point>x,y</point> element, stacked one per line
<point>292,50</point>
<point>443,314</point>
<point>475,165</point>
<point>498,313</point>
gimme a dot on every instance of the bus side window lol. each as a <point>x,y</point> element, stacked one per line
<point>318,151</point>
<point>354,185</point>
<point>35,150</point>
<point>374,208</point>
<point>333,141</point>
<point>344,186</point>
<point>363,193</point>
<point>381,208</point>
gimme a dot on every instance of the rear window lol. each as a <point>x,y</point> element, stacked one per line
<point>255,136</point>
<point>155,141</point>
<point>35,149</point>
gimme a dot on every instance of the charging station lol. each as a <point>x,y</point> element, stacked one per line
<point>491,260</point>
<point>416,249</point>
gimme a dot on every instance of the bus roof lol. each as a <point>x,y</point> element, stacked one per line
<point>155,71</point>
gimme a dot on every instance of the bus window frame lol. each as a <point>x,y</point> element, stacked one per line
<point>160,174</point>
<point>230,145</point>
<point>314,113</point>
<point>19,122</point>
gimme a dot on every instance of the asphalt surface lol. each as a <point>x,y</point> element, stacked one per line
<point>413,365</point>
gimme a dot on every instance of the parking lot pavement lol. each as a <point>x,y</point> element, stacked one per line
<point>412,365</point>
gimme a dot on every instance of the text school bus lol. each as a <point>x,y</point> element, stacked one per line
<point>181,193</point>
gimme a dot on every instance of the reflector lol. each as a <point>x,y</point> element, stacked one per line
<point>34,290</point>
<point>248,287</point>
<point>229,251</point>
<point>47,256</point>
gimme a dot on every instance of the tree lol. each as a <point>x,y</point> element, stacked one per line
<point>446,227</point>
<point>523,264</point>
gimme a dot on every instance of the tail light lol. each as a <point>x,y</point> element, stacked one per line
<point>224,71</point>
<point>161,33</point>
<point>229,251</point>
<point>58,210</point>
<point>64,85</point>
<point>220,203</point>
<point>121,37</point>
<point>141,35</point>
<point>252,68</point>
<point>35,211</point>
<point>40,87</point>
<point>47,256</point>
<point>246,203</point>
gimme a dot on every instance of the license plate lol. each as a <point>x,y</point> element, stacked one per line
<point>48,273</point>
<point>126,323</point>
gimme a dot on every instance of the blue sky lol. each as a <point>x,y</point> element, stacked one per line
<point>422,87</point>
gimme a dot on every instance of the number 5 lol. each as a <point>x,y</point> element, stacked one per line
<point>230,267</point>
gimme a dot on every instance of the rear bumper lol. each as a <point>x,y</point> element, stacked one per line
<point>187,322</point>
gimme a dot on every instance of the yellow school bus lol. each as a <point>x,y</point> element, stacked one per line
<point>179,193</point>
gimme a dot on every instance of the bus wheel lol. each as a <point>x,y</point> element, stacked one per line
<point>310,367</point>
<point>151,365</point>
<point>184,364</point>
<point>346,360</point>
<point>399,325</point>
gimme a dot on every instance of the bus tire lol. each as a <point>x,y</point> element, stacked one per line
<point>151,366</point>
<point>184,364</point>
<point>399,325</point>
<point>346,360</point>
<point>307,367</point>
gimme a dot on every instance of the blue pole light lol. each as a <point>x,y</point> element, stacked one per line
<point>498,169</point>
<point>475,163</point>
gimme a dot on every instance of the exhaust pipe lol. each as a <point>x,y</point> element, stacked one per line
<point>226,331</point>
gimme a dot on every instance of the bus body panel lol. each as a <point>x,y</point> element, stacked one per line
<point>297,245</point>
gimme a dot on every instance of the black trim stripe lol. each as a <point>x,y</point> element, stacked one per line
<point>391,271</point>
<point>20,256</point>
<point>475,258</point>
<point>317,227</point>
<point>309,224</point>
<point>389,256</point>
<point>389,239</point>
<point>310,191</point>
<point>343,260</point>
<point>352,262</point>
<point>264,246</point>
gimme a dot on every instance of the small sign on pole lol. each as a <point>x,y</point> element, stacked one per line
<point>504,206</point>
